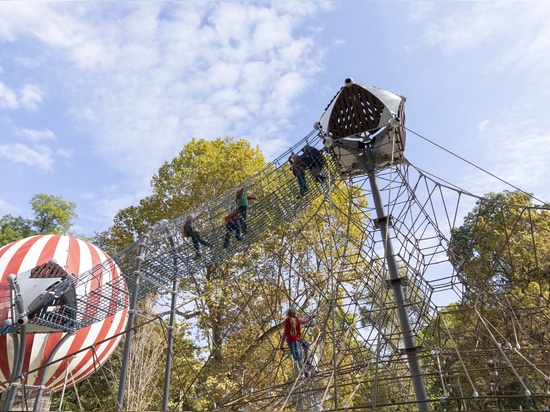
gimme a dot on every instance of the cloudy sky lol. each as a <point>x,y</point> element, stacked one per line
<point>96,95</point>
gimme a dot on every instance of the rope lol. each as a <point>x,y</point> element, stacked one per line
<point>459,357</point>
<point>474,165</point>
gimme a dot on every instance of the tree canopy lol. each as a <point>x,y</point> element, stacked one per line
<point>52,215</point>
<point>235,308</point>
<point>504,242</point>
<point>501,252</point>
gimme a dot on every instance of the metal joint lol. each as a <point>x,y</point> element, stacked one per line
<point>383,219</point>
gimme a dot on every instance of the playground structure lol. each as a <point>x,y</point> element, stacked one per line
<point>381,340</point>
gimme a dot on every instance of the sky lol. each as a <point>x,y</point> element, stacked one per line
<point>96,95</point>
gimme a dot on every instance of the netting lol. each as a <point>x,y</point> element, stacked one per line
<point>468,361</point>
<point>474,273</point>
<point>481,346</point>
<point>169,254</point>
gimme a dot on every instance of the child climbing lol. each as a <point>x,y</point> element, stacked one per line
<point>299,170</point>
<point>242,206</point>
<point>314,161</point>
<point>232,224</point>
<point>189,231</point>
<point>293,338</point>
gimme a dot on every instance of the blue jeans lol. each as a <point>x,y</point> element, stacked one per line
<point>295,348</point>
<point>301,176</point>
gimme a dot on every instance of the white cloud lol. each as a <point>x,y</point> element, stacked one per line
<point>483,125</point>
<point>36,135</point>
<point>65,153</point>
<point>8,98</point>
<point>419,9</point>
<point>520,28</point>
<point>195,69</point>
<point>28,98</point>
<point>8,209</point>
<point>472,25</point>
<point>138,80</point>
<point>31,96</point>
<point>40,157</point>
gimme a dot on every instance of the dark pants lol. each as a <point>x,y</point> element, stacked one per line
<point>196,238</point>
<point>301,176</point>
<point>242,218</point>
<point>230,227</point>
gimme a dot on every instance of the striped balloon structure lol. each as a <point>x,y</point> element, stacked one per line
<point>84,351</point>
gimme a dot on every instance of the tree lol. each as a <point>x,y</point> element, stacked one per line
<point>504,241</point>
<point>238,302</point>
<point>52,215</point>
<point>501,253</point>
<point>202,171</point>
<point>14,228</point>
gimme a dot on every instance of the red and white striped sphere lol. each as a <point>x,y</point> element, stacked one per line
<point>76,257</point>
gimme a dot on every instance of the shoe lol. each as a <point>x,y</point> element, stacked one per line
<point>198,255</point>
<point>240,238</point>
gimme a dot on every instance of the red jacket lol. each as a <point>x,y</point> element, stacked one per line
<point>230,218</point>
<point>286,333</point>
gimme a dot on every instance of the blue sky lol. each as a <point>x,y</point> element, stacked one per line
<point>95,96</point>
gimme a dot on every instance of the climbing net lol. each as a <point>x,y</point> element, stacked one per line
<point>480,319</point>
<point>483,341</point>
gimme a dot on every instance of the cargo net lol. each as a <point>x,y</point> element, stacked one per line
<point>280,192</point>
<point>283,189</point>
<point>480,321</point>
<point>474,271</point>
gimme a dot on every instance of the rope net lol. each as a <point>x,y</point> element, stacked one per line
<point>483,338</point>
<point>482,344</point>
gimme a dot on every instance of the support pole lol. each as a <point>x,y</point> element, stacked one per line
<point>397,287</point>
<point>168,370</point>
<point>132,314</point>
<point>64,385</point>
<point>45,369</point>
<point>21,320</point>
<point>335,346</point>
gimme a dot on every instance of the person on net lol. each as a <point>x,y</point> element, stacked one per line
<point>232,224</point>
<point>242,206</point>
<point>189,231</point>
<point>292,336</point>
<point>299,170</point>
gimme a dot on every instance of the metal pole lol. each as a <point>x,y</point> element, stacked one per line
<point>168,370</point>
<point>38,396</point>
<point>397,287</point>
<point>335,348</point>
<point>132,315</point>
<point>64,385</point>
<point>19,352</point>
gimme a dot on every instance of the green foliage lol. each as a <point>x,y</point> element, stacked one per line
<point>501,252</point>
<point>14,228</point>
<point>52,215</point>
<point>202,171</point>
<point>505,240</point>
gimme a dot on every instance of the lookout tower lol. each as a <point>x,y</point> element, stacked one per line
<point>359,119</point>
